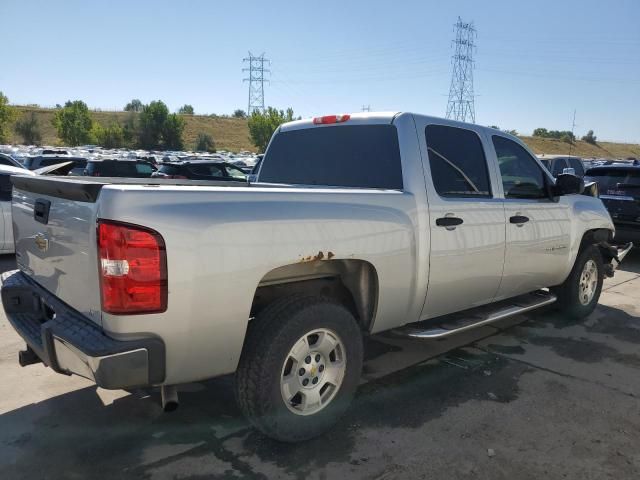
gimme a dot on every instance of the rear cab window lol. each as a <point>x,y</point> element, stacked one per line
<point>358,156</point>
<point>457,162</point>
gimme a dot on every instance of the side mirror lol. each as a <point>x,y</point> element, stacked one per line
<point>567,184</point>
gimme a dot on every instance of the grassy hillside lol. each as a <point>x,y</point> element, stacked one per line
<point>233,134</point>
<point>228,133</point>
<point>583,149</point>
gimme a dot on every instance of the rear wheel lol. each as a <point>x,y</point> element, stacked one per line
<point>300,367</point>
<point>580,292</point>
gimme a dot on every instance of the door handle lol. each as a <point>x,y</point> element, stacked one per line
<point>518,219</point>
<point>448,222</point>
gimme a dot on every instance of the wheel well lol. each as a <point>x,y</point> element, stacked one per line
<point>595,236</point>
<point>353,283</point>
<point>601,237</point>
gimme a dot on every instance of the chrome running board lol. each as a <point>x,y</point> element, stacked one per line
<point>477,317</point>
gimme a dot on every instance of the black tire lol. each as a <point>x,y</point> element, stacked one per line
<point>569,292</point>
<point>270,338</point>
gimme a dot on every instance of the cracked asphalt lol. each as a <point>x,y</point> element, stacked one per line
<point>536,396</point>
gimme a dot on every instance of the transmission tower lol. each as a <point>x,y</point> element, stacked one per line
<point>366,108</point>
<point>460,105</point>
<point>256,81</point>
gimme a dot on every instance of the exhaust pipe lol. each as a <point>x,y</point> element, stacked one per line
<point>28,357</point>
<point>169,394</point>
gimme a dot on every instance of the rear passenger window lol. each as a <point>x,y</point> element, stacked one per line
<point>457,162</point>
<point>362,156</point>
<point>207,170</point>
<point>558,166</point>
<point>577,166</point>
<point>144,169</point>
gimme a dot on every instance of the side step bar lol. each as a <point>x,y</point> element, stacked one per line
<point>477,317</point>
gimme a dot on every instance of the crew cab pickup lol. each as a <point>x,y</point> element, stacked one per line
<point>357,224</point>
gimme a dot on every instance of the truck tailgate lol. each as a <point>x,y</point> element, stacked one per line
<point>54,223</point>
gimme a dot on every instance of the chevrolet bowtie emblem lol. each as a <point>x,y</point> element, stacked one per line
<point>42,242</point>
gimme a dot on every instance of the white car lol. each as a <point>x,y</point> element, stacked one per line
<point>6,224</point>
<point>6,227</point>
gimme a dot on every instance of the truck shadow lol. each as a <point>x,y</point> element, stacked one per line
<point>133,438</point>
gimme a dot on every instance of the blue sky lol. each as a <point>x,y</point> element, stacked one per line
<point>535,61</point>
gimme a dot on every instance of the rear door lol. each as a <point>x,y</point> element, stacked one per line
<point>538,228</point>
<point>467,221</point>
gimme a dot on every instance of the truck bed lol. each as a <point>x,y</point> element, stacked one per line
<point>87,189</point>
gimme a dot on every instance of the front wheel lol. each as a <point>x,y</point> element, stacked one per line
<point>299,368</point>
<point>580,292</point>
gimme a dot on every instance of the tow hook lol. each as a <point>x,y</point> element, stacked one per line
<point>169,394</point>
<point>28,357</point>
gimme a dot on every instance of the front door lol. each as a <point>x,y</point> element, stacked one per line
<point>538,228</point>
<point>467,222</point>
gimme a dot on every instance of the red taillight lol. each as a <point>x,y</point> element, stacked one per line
<point>133,269</point>
<point>331,119</point>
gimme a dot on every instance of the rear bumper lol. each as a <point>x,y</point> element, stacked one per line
<point>69,343</point>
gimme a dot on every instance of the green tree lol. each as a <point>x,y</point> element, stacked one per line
<point>566,138</point>
<point>73,123</point>
<point>130,129</point>
<point>263,124</point>
<point>239,113</point>
<point>589,138</point>
<point>134,105</point>
<point>28,128</point>
<point>172,131</point>
<point>205,143</point>
<point>185,110</point>
<point>111,136</point>
<point>7,116</point>
<point>540,132</point>
<point>151,123</point>
<point>157,129</point>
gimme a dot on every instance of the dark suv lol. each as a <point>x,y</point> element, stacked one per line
<point>200,170</point>
<point>556,164</point>
<point>39,161</point>
<point>619,186</point>
<point>119,168</point>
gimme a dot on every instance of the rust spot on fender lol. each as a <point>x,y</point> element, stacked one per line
<point>316,257</point>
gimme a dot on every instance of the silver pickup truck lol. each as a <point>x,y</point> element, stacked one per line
<point>357,224</point>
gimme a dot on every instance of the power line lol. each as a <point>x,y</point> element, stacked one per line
<point>573,128</point>
<point>460,105</point>
<point>256,81</point>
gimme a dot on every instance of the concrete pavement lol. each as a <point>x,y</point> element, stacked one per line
<point>535,397</point>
